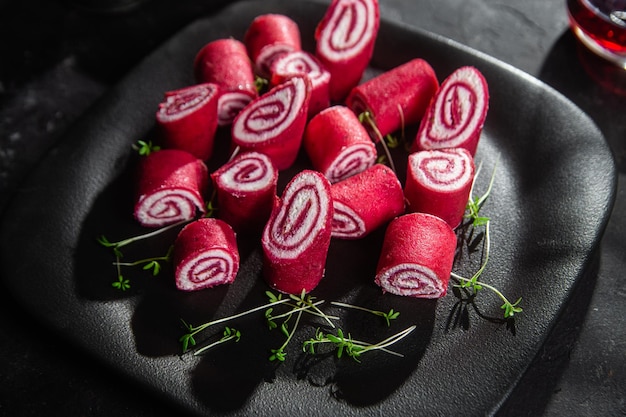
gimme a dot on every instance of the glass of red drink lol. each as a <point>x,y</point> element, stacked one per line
<point>601,26</point>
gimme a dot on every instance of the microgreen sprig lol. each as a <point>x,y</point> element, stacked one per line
<point>124,242</point>
<point>153,263</point>
<point>260,83</point>
<point>351,347</point>
<point>390,315</point>
<point>303,304</point>
<point>144,148</point>
<point>229,334</point>
<point>473,284</point>
<point>474,204</point>
<point>279,354</point>
<point>188,339</point>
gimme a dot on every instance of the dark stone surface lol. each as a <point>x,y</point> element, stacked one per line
<point>57,59</point>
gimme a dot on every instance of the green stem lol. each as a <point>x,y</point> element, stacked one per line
<point>389,341</point>
<point>143,261</point>
<point>367,117</point>
<point>133,239</point>
<point>292,332</point>
<point>195,330</point>
<point>307,309</point>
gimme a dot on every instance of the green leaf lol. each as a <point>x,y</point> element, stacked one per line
<point>187,340</point>
<point>121,283</point>
<point>272,297</point>
<point>154,265</point>
<point>105,242</point>
<point>278,355</point>
<point>392,141</point>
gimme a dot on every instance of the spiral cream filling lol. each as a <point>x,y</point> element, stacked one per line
<point>181,103</point>
<point>350,29</point>
<point>459,110</point>
<point>270,115</point>
<point>168,206</point>
<point>206,269</point>
<point>350,161</point>
<point>252,172</point>
<point>229,105</point>
<point>301,217</point>
<point>301,63</point>
<point>411,279</point>
<point>346,223</point>
<point>442,170</point>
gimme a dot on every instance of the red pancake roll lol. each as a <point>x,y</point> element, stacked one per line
<point>274,123</point>
<point>457,113</point>
<point>345,39</point>
<point>225,62</point>
<point>396,98</point>
<point>205,254</point>
<point>337,144</point>
<point>268,37</point>
<point>439,182</point>
<point>246,189</point>
<point>365,202</point>
<point>416,257</point>
<point>187,119</point>
<point>297,236</point>
<point>304,63</point>
<point>171,188</point>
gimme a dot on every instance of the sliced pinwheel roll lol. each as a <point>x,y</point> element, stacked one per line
<point>246,189</point>
<point>338,144</point>
<point>366,201</point>
<point>274,123</point>
<point>345,39</point>
<point>205,255</point>
<point>417,256</point>
<point>171,187</point>
<point>225,62</point>
<point>297,236</point>
<point>268,37</point>
<point>396,98</point>
<point>439,182</point>
<point>187,119</point>
<point>457,113</point>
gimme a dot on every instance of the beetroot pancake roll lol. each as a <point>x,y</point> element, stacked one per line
<point>439,182</point>
<point>417,256</point>
<point>338,144</point>
<point>268,37</point>
<point>187,119</point>
<point>365,202</point>
<point>297,236</point>
<point>171,187</point>
<point>456,116</point>
<point>225,62</point>
<point>345,39</point>
<point>274,123</point>
<point>205,255</point>
<point>246,189</point>
<point>303,63</point>
<point>398,97</point>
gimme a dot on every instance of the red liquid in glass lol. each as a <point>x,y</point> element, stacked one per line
<point>604,21</point>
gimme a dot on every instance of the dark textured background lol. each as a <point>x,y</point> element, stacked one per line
<point>57,59</point>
